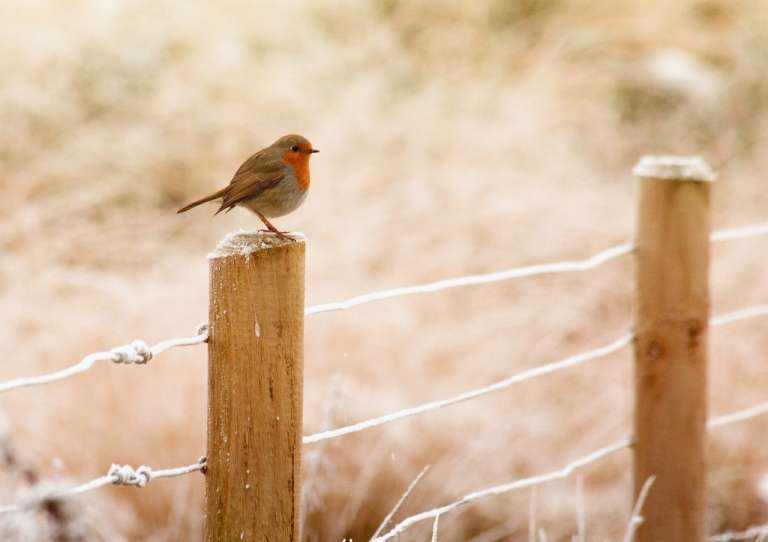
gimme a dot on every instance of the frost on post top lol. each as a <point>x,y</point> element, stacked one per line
<point>680,168</point>
<point>246,243</point>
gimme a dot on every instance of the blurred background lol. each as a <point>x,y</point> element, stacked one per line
<point>457,137</point>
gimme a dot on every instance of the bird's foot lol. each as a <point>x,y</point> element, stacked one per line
<point>280,234</point>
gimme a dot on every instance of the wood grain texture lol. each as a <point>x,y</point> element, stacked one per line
<point>255,383</point>
<point>672,322</point>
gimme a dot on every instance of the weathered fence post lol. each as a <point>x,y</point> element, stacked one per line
<point>672,314</point>
<point>255,382</point>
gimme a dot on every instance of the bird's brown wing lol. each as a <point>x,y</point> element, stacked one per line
<point>262,171</point>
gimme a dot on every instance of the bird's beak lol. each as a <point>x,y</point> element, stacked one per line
<point>313,151</point>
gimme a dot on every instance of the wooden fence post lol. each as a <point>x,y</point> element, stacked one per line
<point>672,318</point>
<point>255,383</point>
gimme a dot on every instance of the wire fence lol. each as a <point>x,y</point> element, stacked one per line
<point>140,477</point>
<point>529,374</point>
<point>138,352</point>
<point>568,266</point>
<point>120,475</point>
<point>578,359</point>
<point>563,472</point>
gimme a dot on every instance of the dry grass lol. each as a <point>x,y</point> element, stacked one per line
<point>456,137</point>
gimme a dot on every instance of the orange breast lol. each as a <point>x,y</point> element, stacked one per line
<point>300,163</point>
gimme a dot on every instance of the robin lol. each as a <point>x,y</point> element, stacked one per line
<point>273,182</point>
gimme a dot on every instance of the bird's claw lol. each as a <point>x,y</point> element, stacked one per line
<point>281,235</point>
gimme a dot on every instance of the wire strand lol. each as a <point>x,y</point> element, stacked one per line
<point>140,477</point>
<point>124,475</point>
<point>578,359</point>
<point>136,352</point>
<point>506,488</point>
<point>742,314</point>
<point>596,260</point>
<point>741,232</point>
<point>563,472</point>
<point>528,374</point>
<point>738,416</point>
<point>469,280</point>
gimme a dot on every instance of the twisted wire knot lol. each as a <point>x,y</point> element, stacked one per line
<point>125,475</point>
<point>136,352</point>
<point>202,329</point>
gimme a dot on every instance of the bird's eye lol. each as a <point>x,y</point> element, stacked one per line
<point>295,148</point>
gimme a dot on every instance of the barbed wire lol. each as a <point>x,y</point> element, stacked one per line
<point>596,260</point>
<point>121,475</point>
<point>528,374</point>
<point>136,352</point>
<point>128,476</point>
<point>563,472</point>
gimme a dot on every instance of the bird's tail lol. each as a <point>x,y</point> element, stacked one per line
<point>210,197</point>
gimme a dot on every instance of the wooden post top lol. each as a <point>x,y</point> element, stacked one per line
<point>245,243</point>
<point>674,168</point>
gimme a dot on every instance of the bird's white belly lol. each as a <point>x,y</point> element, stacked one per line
<point>279,200</point>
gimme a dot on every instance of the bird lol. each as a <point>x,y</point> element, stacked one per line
<point>272,182</point>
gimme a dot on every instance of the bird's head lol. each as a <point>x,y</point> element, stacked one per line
<point>295,151</point>
<point>295,148</point>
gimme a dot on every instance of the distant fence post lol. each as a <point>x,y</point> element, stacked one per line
<point>255,383</point>
<point>672,316</point>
